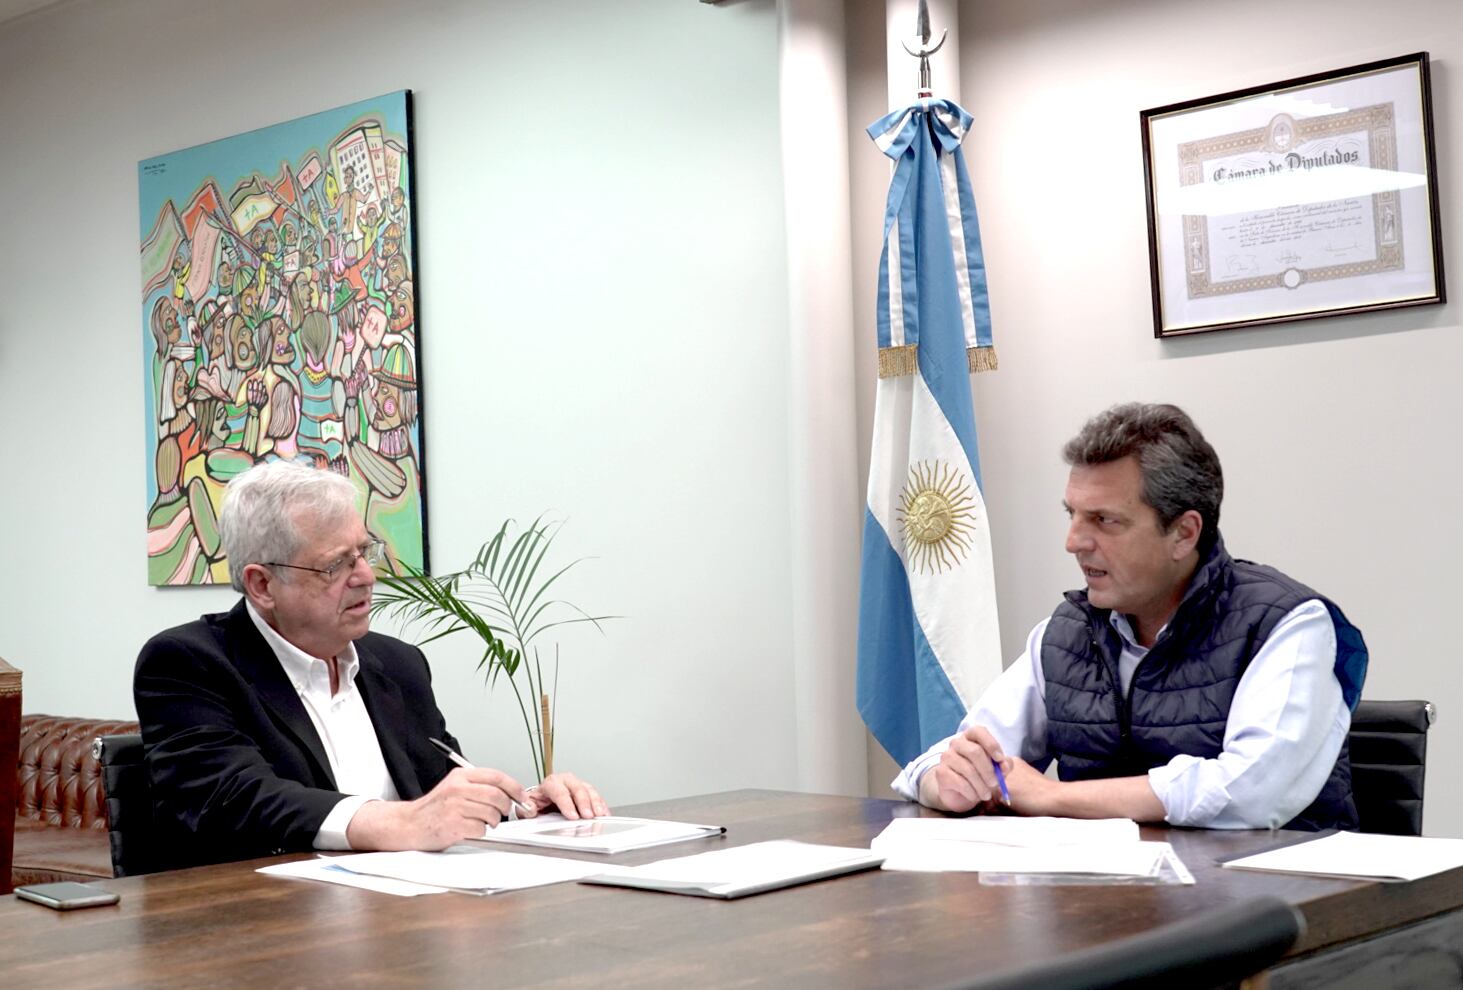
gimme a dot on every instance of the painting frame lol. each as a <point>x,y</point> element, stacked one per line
<point>281,321</point>
<point>1311,197</point>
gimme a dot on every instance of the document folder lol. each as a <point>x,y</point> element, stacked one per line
<point>742,870</point>
<point>606,836</point>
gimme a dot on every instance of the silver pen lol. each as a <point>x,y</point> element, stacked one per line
<point>514,812</point>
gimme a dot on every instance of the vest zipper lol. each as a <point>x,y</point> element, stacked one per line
<point>1125,719</point>
<point>1124,714</point>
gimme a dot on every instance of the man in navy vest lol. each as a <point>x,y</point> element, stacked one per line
<point>1182,685</point>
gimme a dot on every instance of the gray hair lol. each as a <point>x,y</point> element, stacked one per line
<point>261,506</point>
<point>282,416</point>
<point>1180,469</point>
<point>315,334</point>
<point>264,341</point>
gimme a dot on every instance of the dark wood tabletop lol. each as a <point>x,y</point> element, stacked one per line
<point>230,926</point>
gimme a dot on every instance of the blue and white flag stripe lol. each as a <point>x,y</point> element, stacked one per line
<point>969,258</point>
<point>895,134</point>
<point>929,642</point>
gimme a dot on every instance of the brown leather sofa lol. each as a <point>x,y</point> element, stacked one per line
<point>60,813</point>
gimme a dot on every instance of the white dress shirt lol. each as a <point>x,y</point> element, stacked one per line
<point>344,727</point>
<point>1285,729</point>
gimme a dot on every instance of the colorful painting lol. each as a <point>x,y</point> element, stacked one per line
<point>279,321</point>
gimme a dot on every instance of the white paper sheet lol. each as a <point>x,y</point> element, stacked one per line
<point>1010,831</point>
<point>1000,844</point>
<point>1358,855</point>
<point>478,870</point>
<point>1134,859</point>
<point>321,869</point>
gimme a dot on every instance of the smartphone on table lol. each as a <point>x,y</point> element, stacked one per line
<point>67,895</point>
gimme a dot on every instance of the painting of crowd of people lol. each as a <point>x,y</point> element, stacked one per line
<point>279,321</point>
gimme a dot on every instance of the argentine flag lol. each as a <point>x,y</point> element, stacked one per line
<point>928,642</point>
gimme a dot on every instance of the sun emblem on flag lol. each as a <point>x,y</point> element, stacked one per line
<point>937,511</point>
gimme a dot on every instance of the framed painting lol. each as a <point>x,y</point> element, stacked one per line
<point>1311,197</point>
<point>280,320</point>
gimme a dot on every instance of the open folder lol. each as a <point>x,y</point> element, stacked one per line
<point>742,870</point>
<point>612,834</point>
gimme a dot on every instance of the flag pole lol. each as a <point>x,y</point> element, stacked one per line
<point>923,49</point>
<point>929,640</point>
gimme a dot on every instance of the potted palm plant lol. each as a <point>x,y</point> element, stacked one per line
<point>502,598</point>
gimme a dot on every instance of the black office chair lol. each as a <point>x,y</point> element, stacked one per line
<point>1217,949</point>
<point>129,805</point>
<point>1388,744</point>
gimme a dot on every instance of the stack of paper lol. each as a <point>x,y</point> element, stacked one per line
<point>322,870</point>
<point>1353,855</point>
<point>411,873</point>
<point>742,870</point>
<point>596,835</point>
<point>999,844</point>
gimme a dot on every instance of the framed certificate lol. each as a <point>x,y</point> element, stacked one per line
<point>1312,197</point>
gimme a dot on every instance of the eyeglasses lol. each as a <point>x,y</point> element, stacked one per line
<point>371,551</point>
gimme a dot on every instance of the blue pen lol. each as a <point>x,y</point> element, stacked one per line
<point>1001,779</point>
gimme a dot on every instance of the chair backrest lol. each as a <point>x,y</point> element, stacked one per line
<point>1388,744</point>
<point>129,804</point>
<point>9,767</point>
<point>1215,949</point>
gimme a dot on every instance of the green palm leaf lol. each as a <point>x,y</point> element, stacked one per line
<point>501,600</point>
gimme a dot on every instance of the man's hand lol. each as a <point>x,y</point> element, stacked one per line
<point>965,776</point>
<point>458,808</point>
<point>572,797</point>
<point>1032,792</point>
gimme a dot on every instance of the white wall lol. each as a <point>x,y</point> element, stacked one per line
<point>604,334</point>
<point>1338,436</point>
<point>823,504</point>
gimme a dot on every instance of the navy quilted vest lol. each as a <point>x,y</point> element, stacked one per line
<point>1182,689</point>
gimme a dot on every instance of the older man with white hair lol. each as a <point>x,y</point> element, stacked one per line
<point>285,724</point>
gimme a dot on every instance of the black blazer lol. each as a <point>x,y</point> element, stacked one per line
<point>237,769</point>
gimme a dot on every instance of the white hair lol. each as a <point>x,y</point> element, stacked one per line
<point>261,506</point>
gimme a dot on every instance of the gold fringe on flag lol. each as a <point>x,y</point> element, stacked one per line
<point>897,361</point>
<point>980,358</point>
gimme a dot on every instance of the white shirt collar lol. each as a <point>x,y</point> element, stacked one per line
<point>303,670</point>
<point>1120,622</point>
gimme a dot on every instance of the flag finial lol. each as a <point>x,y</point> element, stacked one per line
<point>923,49</point>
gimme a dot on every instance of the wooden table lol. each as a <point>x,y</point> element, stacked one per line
<point>227,925</point>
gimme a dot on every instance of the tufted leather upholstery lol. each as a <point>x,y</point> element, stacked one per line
<point>60,817</point>
<point>1388,744</point>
